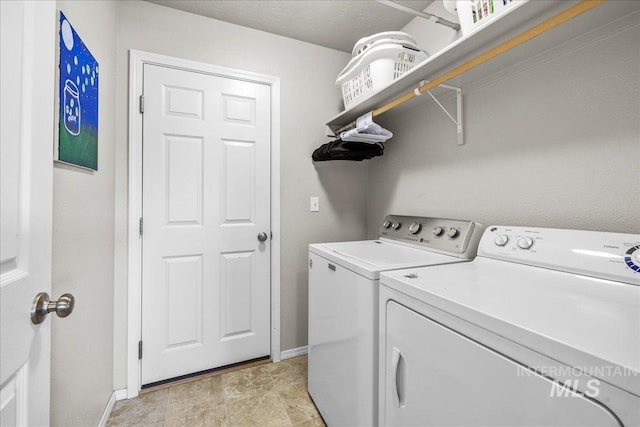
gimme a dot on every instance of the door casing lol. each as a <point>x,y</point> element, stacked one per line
<point>137,59</point>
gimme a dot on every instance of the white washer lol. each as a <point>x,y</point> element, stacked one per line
<point>343,307</point>
<point>542,328</point>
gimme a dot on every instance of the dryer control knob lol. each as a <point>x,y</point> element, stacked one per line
<point>501,239</point>
<point>396,225</point>
<point>452,233</point>
<point>415,228</point>
<point>386,224</point>
<point>525,242</point>
<point>437,230</point>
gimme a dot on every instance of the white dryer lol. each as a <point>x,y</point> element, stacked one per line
<point>542,328</point>
<point>343,307</point>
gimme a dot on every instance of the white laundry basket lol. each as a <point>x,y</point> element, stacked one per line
<point>389,36</point>
<point>374,69</point>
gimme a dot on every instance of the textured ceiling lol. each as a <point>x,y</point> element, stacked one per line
<point>337,24</point>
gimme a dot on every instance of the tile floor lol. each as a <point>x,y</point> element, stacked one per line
<point>274,394</point>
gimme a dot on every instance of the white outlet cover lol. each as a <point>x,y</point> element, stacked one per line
<point>314,204</point>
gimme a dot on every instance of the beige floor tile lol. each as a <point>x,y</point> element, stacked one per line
<point>293,371</point>
<point>194,397</point>
<point>272,394</point>
<point>159,424</point>
<point>245,384</point>
<point>146,409</point>
<point>314,422</point>
<point>263,410</point>
<point>193,420</point>
<point>299,359</point>
<point>298,404</point>
<point>215,417</point>
<point>261,379</point>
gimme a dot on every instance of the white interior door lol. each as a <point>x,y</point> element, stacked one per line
<point>206,197</point>
<point>27,87</point>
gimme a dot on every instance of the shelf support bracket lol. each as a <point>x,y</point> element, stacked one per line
<point>458,121</point>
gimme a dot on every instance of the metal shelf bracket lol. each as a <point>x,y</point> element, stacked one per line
<point>458,121</point>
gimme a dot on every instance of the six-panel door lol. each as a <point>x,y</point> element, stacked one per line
<point>206,197</point>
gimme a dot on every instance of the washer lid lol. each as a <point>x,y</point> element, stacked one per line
<point>369,257</point>
<point>578,320</point>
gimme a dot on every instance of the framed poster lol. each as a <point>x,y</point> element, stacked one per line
<point>78,100</point>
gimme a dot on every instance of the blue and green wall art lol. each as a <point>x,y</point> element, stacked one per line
<point>78,119</point>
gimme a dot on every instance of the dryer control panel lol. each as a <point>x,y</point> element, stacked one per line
<point>613,256</point>
<point>449,236</point>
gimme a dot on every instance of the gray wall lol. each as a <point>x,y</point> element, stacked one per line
<point>553,143</point>
<point>83,245</point>
<point>308,99</point>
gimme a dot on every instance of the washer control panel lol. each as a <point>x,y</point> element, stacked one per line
<point>613,256</point>
<point>450,236</point>
<point>632,258</point>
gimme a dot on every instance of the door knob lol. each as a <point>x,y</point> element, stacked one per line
<point>262,236</point>
<point>42,306</point>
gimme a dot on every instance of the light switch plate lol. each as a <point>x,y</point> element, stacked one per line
<point>315,204</point>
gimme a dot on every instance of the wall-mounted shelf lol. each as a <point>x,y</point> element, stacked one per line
<point>504,27</point>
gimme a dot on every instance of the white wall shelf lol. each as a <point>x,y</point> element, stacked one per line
<point>513,21</point>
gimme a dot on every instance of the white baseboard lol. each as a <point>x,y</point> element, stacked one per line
<point>294,352</point>
<point>107,410</point>
<point>115,396</point>
<point>121,394</point>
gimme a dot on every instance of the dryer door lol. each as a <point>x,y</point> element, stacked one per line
<point>435,376</point>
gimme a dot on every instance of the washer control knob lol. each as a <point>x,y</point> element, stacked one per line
<point>501,239</point>
<point>396,225</point>
<point>452,233</point>
<point>415,228</point>
<point>525,242</point>
<point>437,230</point>
<point>386,224</point>
<point>638,257</point>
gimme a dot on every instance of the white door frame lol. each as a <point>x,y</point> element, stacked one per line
<point>137,59</point>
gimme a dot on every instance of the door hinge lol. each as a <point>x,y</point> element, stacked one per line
<point>140,350</point>
<point>271,235</point>
<point>141,104</point>
<point>140,227</point>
